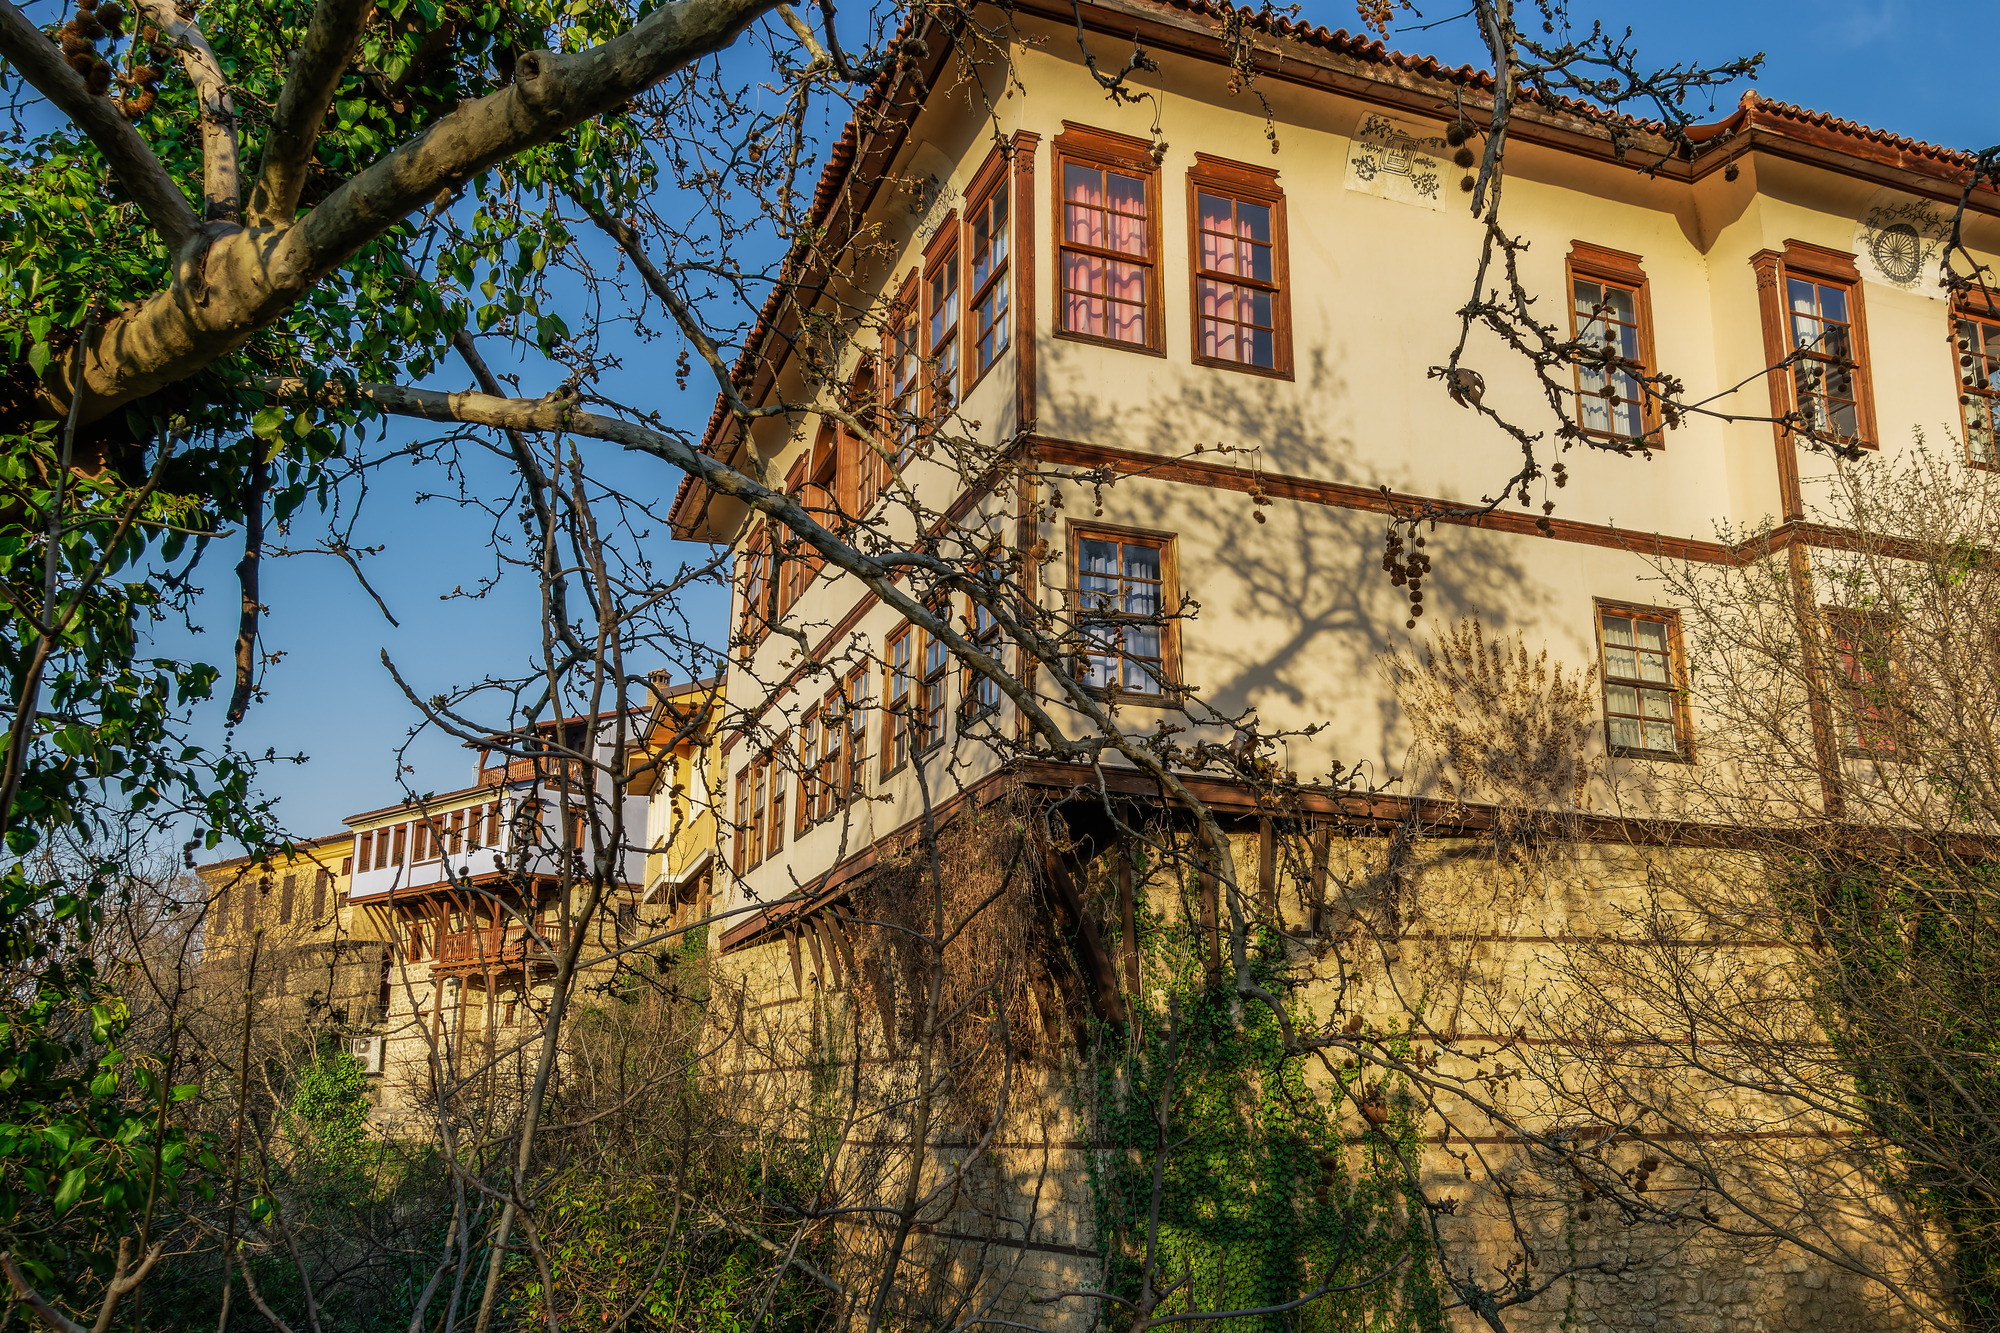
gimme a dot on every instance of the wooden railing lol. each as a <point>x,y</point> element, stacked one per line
<point>489,946</point>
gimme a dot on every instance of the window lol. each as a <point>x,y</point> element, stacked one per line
<point>1107,229</point>
<point>1864,651</point>
<point>755,563</point>
<point>860,466</point>
<point>285,897</point>
<point>1644,717</point>
<point>854,708</point>
<point>402,832</point>
<point>1610,315</point>
<point>1814,322</point>
<point>420,840</point>
<point>931,701</point>
<point>751,794</point>
<point>901,352</point>
<point>812,780</point>
<point>774,765</point>
<point>1826,375</point>
<point>319,894</point>
<point>364,850</point>
<point>986,247</point>
<point>493,825</point>
<point>1976,344</point>
<point>901,685</point>
<point>1122,585</point>
<point>941,324</point>
<point>982,693</point>
<point>1241,316</point>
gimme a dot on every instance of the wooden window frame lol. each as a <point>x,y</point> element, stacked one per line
<point>401,845</point>
<point>1168,544</point>
<point>994,178</point>
<point>941,254</point>
<point>1245,184</point>
<point>1978,310</point>
<point>1677,680</point>
<point>1842,626</point>
<point>853,776</point>
<point>972,685</point>
<point>775,814</point>
<point>806,811</point>
<point>898,743</point>
<point>1102,150</point>
<point>364,850</point>
<point>287,897</point>
<point>858,468</point>
<point>755,583</point>
<point>1607,267</point>
<point>902,353</point>
<point>1828,267</point>
<point>933,690</point>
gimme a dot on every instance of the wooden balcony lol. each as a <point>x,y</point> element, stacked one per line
<point>502,948</point>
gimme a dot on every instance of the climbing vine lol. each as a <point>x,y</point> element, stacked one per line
<point>1268,1190</point>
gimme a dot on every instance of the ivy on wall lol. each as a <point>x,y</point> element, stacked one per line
<point>1268,1190</point>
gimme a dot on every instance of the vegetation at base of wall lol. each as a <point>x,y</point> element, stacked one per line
<point>1903,964</point>
<point>1271,1186</point>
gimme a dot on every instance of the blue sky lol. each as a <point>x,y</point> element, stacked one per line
<point>331,698</point>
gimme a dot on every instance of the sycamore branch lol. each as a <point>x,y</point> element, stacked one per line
<point>131,159</point>
<point>122,1283</point>
<point>246,278</point>
<point>221,170</point>
<point>288,147</point>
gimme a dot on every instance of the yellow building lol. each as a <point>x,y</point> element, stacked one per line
<point>1121,287</point>
<point>676,767</point>
<point>316,956</point>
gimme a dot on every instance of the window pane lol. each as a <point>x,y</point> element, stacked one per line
<point>1832,303</point>
<point>1657,703</point>
<point>1800,293</point>
<point>1589,296</point>
<point>1254,221</point>
<point>1625,732</point>
<point>1622,699</point>
<point>1622,308</point>
<point>1617,629</point>
<point>1620,662</point>
<point>1142,562</point>
<point>1660,737</point>
<point>1262,348</point>
<point>1652,635</point>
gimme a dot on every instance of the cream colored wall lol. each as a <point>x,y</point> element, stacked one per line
<point>1296,613</point>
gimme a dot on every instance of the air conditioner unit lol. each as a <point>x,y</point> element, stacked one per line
<point>368,1050</point>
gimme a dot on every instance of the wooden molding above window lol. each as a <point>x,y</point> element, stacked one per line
<point>1609,297</point>
<point>1106,198</point>
<point>1239,268</point>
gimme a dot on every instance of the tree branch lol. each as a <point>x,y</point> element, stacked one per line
<point>131,158</point>
<point>288,147</point>
<point>245,279</point>
<point>221,169</point>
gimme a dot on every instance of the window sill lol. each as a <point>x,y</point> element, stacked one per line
<point>1095,340</point>
<point>1656,756</point>
<point>1248,368</point>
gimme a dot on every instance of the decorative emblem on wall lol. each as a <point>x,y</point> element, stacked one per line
<point>1395,160</point>
<point>1899,242</point>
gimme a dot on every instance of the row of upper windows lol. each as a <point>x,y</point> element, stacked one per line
<point>1110,291</point>
<point>1124,588</point>
<point>464,830</point>
<point>253,893</point>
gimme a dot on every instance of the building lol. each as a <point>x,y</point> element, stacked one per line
<point>1106,286</point>
<point>479,890</point>
<point>676,767</point>
<point>317,959</point>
